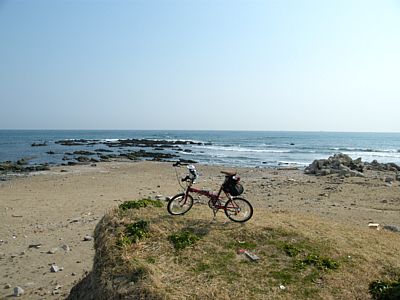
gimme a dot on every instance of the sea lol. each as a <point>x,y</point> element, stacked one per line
<point>265,149</point>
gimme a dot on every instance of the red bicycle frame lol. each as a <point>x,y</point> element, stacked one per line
<point>214,197</point>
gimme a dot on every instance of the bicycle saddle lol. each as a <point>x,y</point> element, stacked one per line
<point>228,173</point>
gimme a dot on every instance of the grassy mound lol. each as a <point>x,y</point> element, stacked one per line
<point>144,253</point>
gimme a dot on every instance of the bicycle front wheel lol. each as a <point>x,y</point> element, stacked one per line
<point>179,204</point>
<point>238,210</point>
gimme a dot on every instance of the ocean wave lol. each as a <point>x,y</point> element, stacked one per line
<point>252,150</point>
<point>347,149</point>
<point>240,149</point>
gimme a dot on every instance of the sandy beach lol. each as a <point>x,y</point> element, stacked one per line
<point>48,218</point>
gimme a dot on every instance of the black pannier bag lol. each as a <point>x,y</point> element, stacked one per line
<point>233,187</point>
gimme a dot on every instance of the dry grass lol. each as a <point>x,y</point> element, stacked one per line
<point>212,268</point>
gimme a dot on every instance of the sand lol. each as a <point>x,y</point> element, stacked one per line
<point>45,217</point>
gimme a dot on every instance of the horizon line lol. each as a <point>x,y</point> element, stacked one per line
<point>203,130</point>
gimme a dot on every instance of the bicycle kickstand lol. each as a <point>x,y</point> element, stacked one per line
<point>215,214</point>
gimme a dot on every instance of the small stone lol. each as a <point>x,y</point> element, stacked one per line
<point>52,251</point>
<point>66,248</point>
<point>7,286</point>
<point>18,291</point>
<point>282,287</point>
<point>389,179</point>
<point>36,246</point>
<point>375,226</point>
<point>87,238</point>
<point>73,274</point>
<point>54,269</point>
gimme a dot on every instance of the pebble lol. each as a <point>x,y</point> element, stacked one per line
<point>87,238</point>
<point>7,286</point>
<point>52,251</point>
<point>389,179</point>
<point>54,269</point>
<point>18,291</point>
<point>66,248</point>
<point>36,246</point>
<point>75,220</point>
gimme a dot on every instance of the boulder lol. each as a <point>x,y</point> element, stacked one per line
<point>83,159</point>
<point>340,164</point>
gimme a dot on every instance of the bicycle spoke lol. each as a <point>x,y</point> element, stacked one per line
<point>180,204</point>
<point>238,210</point>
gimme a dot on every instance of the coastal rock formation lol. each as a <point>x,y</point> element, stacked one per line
<point>21,166</point>
<point>39,144</point>
<point>130,143</point>
<point>376,166</point>
<point>340,164</point>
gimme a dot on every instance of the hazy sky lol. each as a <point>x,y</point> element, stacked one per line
<point>236,65</point>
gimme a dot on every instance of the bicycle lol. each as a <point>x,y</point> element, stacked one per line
<point>236,208</point>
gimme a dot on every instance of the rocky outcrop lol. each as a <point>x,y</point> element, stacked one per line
<point>144,154</point>
<point>376,166</point>
<point>340,164</point>
<point>130,143</point>
<point>21,166</point>
<point>39,144</point>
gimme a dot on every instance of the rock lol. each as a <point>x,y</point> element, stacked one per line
<point>84,152</point>
<point>18,291</point>
<point>39,144</point>
<point>398,177</point>
<point>374,165</point>
<point>340,164</point>
<point>375,226</point>
<point>22,162</point>
<point>389,179</point>
<point>83,159</point>
<point>393,228</point>
<point>87,238</point>
<point>52,251</point>
<point>54,269</point>
<point>65,247</point>
<point>7,286</point>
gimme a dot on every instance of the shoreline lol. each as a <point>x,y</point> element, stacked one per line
<point>62,206</point>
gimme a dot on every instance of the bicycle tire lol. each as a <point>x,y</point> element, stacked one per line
<point>176,207</point>
<point>238,210</point>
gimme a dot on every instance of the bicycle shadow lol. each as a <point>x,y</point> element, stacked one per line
<point>202,226</point>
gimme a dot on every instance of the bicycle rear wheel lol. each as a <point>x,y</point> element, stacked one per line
<point>178,205</point>
<point>238,210</point>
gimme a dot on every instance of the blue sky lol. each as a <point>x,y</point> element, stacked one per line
<point>223,65</point>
